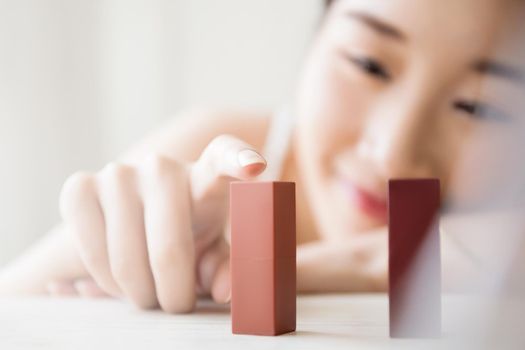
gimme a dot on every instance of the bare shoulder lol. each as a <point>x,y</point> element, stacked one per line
<point>189,132</point>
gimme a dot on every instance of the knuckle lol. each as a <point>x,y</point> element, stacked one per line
<point>214,153</point>
<point>115,172</point>
<point>222,139</point>
<point>159,167</point>
<point>157,164</point>
<point>77,188</point>
<point>219,144</point>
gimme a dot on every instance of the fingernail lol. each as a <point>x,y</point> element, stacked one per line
<point>248,157</point>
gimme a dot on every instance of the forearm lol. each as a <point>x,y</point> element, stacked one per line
<point>360,262</point>
<point>54,257</point>
<point>357,264</point>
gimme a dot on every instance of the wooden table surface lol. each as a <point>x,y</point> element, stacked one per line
<point>323,322</point>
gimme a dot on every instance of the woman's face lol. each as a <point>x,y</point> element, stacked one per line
<point>408,89</point>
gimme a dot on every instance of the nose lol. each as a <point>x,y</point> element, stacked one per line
<point>398,140</point>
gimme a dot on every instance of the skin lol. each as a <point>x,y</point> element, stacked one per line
<point>387,91</point>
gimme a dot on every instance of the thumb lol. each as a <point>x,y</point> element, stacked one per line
<point>221,286</point>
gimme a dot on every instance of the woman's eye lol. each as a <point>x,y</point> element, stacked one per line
<point>370,66</point>
<point>481,111</point>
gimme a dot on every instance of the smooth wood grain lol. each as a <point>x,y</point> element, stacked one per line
<point>323,322</point>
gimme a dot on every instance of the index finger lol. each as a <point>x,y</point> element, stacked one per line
<point>225,159</point>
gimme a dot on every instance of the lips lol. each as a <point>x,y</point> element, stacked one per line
<point>368,202</point>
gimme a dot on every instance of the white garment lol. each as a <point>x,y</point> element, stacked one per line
<point>277,144</point>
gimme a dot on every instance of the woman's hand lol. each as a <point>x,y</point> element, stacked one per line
<point>359,263</point>
<point>152,232</point>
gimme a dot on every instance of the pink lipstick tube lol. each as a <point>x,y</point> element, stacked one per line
<point>263,258</point>
<point>414,258</point>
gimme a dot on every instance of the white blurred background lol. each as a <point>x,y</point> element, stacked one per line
<point>81,80</point>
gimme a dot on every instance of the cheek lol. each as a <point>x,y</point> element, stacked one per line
<point>330,108</point>
<point>488,169</point>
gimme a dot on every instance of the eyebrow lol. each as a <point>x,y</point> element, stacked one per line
<point>501,70</point>
<point>378,25</point>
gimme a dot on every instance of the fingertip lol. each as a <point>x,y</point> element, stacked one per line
<point>253,170</point>
<point>221,295</point>
<point>221,289</point>
<point>249,156</point>
<point>251,162</point>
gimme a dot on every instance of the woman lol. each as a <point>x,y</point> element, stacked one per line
<point>389,89</point>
